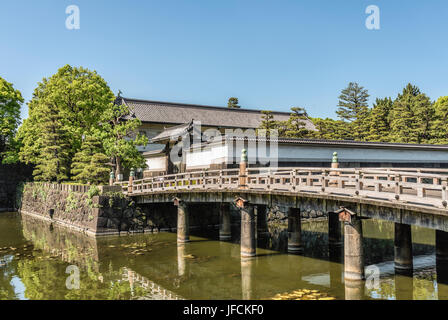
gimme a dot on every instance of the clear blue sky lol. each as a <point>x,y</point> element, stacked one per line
<point>269,54</point>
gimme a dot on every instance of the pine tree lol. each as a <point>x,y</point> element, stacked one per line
<point>440,125</point>
<point>267,123</point>
<point>330,129</point>
<point>379,122</point>
<point>353,108</point>
<point>90,164</point>
<point>296,125</point>
<point>233,103</point>
<point>352,102</point>
<point>411,117</point>
<point>98,169</point>
<point>53,162</point>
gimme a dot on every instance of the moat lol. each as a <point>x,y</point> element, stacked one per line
<point>34,256</point>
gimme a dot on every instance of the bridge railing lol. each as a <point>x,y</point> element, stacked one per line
<point>413,186</point>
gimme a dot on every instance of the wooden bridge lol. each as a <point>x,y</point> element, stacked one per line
<point>425,188</point>
<point>401,195</point>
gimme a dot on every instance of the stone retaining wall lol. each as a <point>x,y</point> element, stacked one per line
<point>107,211</point>
<point>95,213</point>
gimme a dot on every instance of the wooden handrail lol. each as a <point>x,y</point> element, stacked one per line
<point>383,183</point>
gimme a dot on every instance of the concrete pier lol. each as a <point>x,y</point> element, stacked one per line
<point>225,231</point>
<point>403,249</point>
<point>294,231</point>
<point>248,231</point>
<point>353,250</point>
<point>183,226</point>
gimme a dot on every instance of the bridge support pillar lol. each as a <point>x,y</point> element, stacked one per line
<point>183,226</point>
<point>403,249</point>
<point>442,258</point>
<point>294,231</point>
<point>248,229</point>
<point>225,232</point>
<point>353,251</point>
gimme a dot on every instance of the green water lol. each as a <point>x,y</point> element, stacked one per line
<point>34,257</point>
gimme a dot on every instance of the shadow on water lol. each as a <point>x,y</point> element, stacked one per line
<point>34,257</point>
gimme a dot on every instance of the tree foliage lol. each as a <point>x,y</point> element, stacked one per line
<point>10,104</point>
<point>379,122</point>
<point>440,124</point>
<point>91,164</point>
<point>296,125</point>
<point>76,103</point>
<point>119,137</point>
<point>353,108</point>
<point>54,157</point>
<point>410,118</point>
<point>233,103</point>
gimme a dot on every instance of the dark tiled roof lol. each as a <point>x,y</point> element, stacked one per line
<point>174,132</point>
<point>179,113</point>
<point>362,144</point>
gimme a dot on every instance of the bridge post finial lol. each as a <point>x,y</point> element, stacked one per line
<point>244,155</point>
<point>243,170</point>
<point>334,165</point>
<point>335,158</point>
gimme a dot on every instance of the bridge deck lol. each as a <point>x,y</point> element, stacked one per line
<point>419,187</point>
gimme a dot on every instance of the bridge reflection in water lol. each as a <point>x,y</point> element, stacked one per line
<point>154,266</point>
<point>407,197</point>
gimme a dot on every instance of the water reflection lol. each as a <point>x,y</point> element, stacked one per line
<point>154,266</point>
<point>247,278</point>
<point>181,259</point>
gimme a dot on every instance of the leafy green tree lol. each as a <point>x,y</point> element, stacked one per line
<point>83,104</point>
<point>233,103</point>
<point>79,95</point>
<point>296,124</point>
<point>10,104</point>
<point>90,164</point>
<point>379,122</point>
<point>119,137</point>
<point>353,108</point>
<point>411,117</point>
<point>440,124</point>
<point>54,159</point>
